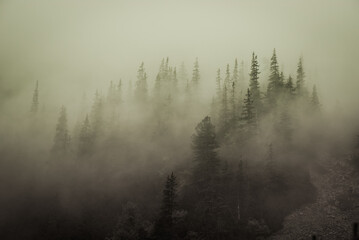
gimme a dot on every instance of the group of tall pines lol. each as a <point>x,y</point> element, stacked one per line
<point>240,180</point>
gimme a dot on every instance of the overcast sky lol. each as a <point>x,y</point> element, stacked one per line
<point>68,44</point>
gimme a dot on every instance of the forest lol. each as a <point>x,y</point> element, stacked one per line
<point>162,162</point>
<point>171,120</point>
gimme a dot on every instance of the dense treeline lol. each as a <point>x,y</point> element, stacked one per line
<point>241,173</point>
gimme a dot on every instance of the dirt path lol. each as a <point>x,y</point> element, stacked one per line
<point>336,207</point>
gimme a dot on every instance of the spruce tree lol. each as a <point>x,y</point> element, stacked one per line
<point>205,179</point>
<point>62,137</point>
<point>85,138</point>
<point>274,80</point>
<point>195,75</point>
<point>242,191</point>
<point>35,99</point>
<point>224,111</point>
<point>290,86</point>
<point>164,226</point>
<point>315,99</point>
<point>218,84</point>
<point>300,78</point>
<point>233,117</point>
<point>249,112</point>
<point>204,145</point>
<point>97,116</point>
<point>253,80</point>
<point>141,85</point>
<point>235,75</point>
<point>227,79</point>
<point>174,82</point>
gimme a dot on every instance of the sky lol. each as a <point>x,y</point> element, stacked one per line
<point>74,46</point>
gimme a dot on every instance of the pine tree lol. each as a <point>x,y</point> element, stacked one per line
<point>205,180</point>
<point>165,222</point>
<point>300,78</point>
<point>224,111</point>
<point>233,117</point>
<point>227,79</point>
<point>141,85</point>
<point>62,137</point>
<point>249,114</point>
<point>85,138</point>
<point>253,80</point>
<point>289,85</point>
<point>242,191</point>
<point>35,99</point>
<point>130,225</point>
<point>218,84</point>
<point>195,74</point>
<point>97,116</point>
<point>174,82</point>
<point>204,145</point>
<point>315,99</point>
<point>274,80</point>
<point>235,75</point>
<point>281,80</point>
<point>157,89</point>
<point>241,76</point>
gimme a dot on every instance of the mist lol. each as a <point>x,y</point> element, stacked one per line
<point>106,106</point>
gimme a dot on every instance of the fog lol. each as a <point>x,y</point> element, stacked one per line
<point>78,51</point>
<point>90,44</point>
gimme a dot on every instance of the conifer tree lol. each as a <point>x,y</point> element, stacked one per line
<point>300,78</point>
<point>241,76</point>
<point>249,114</point>
<point>164,226</point>
<point>233,117</point>
<point>35,99</point>
<point>242,191</point>
<point>315,99</point>
<point>227,79</point>
<point>97,116</point>
<point>85,138</point>
<point>224,111</point>
<point>204,145</point>
<point>253,80</point>
<point>205,178</point>
<point>195,75</point>
<point>218,84</point>
<point>290,86</point>
<point>129,226</point>
<point>62,137</point>
<point>235,75</point>
<point>274,80</point>
<point>157,90</point>
<point>174,83</point>
<point>141,85</point>
<point>281,80</point>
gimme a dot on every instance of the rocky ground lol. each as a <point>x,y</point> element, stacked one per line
<point>336,208</point>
